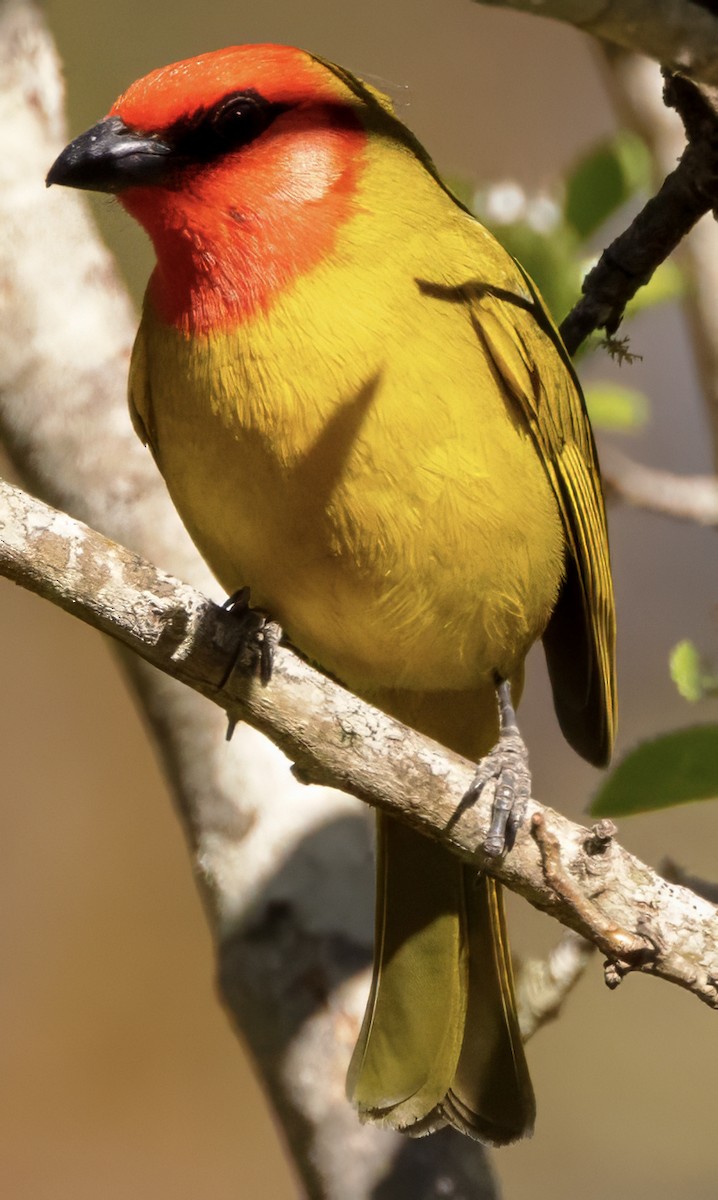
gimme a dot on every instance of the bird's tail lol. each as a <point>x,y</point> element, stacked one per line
<point>440,1042</point>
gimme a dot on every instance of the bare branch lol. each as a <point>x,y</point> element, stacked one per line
<point>636,88</point>
<point>686,497</point>
<point>640,921</point>
<point>544,984</point>
<point>686,194</point>
<point>681,34</point>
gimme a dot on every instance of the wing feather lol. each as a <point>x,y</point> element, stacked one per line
<point>526,351</point>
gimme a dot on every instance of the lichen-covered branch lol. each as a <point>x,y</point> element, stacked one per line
<point>680,34</point>
<point>582,877</point>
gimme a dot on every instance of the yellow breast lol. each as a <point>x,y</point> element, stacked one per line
<point>352,456</point>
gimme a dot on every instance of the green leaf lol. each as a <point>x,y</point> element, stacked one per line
<point>687,670</point>
<point>692,675</point>
<point>604,179</point>
<point>614,408</point>
<point>676,768</point>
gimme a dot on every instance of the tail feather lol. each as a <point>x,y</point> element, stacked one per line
<point>440,1042</point>
<point>411,1037</point>
<point>491,1096</point>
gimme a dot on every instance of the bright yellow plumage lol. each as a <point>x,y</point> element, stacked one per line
<point>355,457</point>
<point>362,411</point>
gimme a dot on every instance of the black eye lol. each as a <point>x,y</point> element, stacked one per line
<point>235,121</point>
<point>240,118</point>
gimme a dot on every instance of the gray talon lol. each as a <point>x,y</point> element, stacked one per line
<point>507,763</point>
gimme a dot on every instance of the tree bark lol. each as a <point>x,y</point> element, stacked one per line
<point>680,34</point>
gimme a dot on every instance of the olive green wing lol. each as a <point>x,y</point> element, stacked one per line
<point>531,362</point>
<point>139,396</point>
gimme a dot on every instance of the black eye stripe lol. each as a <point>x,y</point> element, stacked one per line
<point>233,122</point>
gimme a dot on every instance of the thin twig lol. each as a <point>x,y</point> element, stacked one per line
<point>687,193</point>
<point>636,90</point>
<point>618,942</point>
<point>686,497</point>
<point>544,984</point>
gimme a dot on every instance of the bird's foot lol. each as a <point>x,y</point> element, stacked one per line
<point>258,637</point>
<point>508,765</point>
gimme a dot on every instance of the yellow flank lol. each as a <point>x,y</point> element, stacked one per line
<point>354,457</point>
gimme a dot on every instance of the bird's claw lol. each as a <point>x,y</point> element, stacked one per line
<point>258,637</point>
<point>508,765</point>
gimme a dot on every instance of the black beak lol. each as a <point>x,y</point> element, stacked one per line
<point>109,158</point>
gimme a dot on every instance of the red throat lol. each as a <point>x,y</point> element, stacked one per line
<point>231,235</point>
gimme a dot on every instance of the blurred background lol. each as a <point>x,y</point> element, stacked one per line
<point>119,1072</point>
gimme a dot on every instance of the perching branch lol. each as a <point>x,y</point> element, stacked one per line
<point>681,34</point>
<point>581,877</point>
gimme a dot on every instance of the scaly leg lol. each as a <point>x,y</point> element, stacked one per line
<point>508,764</point>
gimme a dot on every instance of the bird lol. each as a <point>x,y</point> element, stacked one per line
<point>364,412</point>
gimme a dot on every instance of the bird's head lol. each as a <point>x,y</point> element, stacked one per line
<point>242,164</point>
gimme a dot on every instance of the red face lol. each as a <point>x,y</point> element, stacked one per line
<point>241,164</point>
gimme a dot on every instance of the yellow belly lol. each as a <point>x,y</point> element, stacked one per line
<point>379,496</point>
